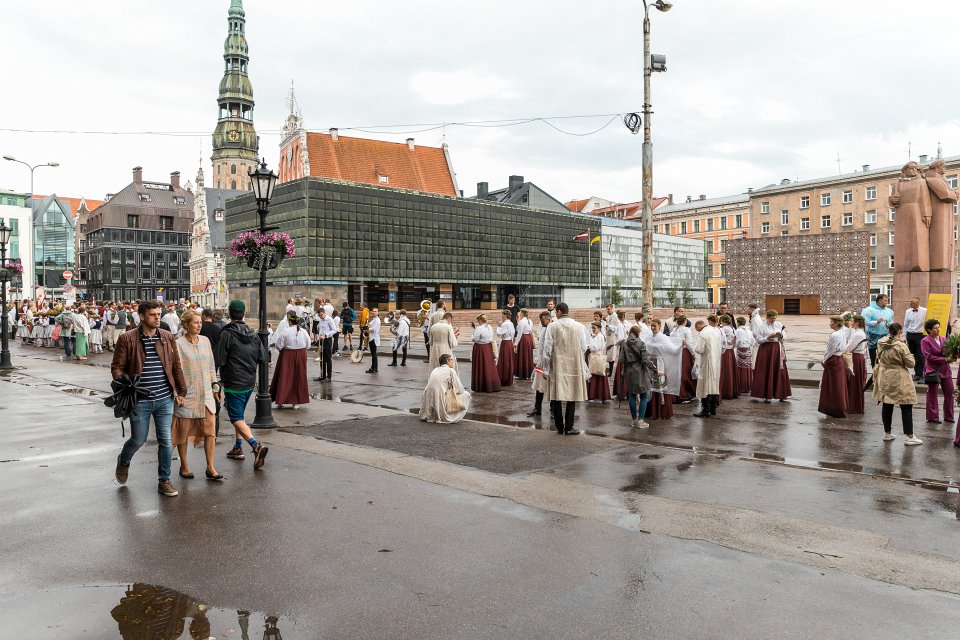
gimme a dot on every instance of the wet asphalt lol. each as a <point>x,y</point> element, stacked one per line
<point>337,549</point>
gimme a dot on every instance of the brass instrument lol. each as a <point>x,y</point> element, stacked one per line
<point>422,314</point>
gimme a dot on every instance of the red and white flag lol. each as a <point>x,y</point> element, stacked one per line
<point>582,236</point>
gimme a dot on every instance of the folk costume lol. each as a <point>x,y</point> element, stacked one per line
<point>729,387</point>
<point>770,377</point>
<point>745,342</point>
<point>433,406</point>
<point>857,378</point>
<point>484,376</point>
<point>564,344</point>
<point>598,387</point>
<point>443,338</point>
<point>667,352</point>
<point>539,385</point>
<point>523,347</point>
<point>289,384</point>
<point>708,349</point>
<point>505,333</point>
<point>688,383</point>
<point>833,383</point>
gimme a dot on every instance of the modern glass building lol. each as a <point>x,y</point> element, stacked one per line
<point>53,245</point>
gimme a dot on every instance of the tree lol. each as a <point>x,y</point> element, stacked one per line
<point>616,296</point>
<point>672,297</point>
<point>635,294</point>
<point>687,298</point>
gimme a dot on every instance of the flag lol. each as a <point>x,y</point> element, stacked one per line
<point>582,236</point>
<point>595,240</point>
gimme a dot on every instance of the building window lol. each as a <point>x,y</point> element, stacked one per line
<point>233,184</point>
<point>804,202</point>
<point>114,274</point>
<point>721,245</point>
<point>765,227</point>
<point>130,256</point>
<point>696,226</point>
<point>873,263</point>
<point>233,169</point>
<point>764,207</point>
<point>656,228</point>
<point>709,246</point>
<point>873,239</point>
<point>709,224</point>
<point>848,219</point>
<point>804,224</point>
<point>383,179</point>
<point>824,222</point>
<point>870,193</point>
<point>738,220</point>
<point>870,217</point>
<point>723,270</point>
<point>683,228</point>
<point>115,256</point>
<point>952,181</point>
<point>784,217</point>
<point>218,216</point>
<point>144,197</point>
<point>893,214</point>
<point>955,232</point>
<point>723,222</point>
<point>133,222</point>
<point>784,232</point>
<point>179,200</point>
<point>825,199</point>
<point>890,238</point>
<point>847,196</point>
<point>890,259</point>
<point>166,223</point>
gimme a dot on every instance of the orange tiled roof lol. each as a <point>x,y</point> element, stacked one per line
<point>75,203</point>
<point>362,160</point>
<point>631,209</point>
<point>577,205</point>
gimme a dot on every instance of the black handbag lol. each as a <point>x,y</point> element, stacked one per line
<point>931,378</point>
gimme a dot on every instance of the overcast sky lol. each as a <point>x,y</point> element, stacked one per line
<point>756,90</point>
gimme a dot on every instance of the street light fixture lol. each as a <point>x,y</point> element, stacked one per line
<point>262,183</point>
<point>33,199</point>
<point>649,66</point>
<point>5,274</point>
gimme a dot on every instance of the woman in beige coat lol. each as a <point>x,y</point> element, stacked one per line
<point>893,383</point>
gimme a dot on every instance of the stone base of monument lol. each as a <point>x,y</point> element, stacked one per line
<point>920,284</point>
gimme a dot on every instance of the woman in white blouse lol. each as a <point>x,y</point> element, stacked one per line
<point>770,377</point>
<point>833,384</point>
<point>289,384</point>
<point>505,333</point>
<point>744,352</point>
<point>598,388</point>
<point>688,384</point>
<point>729,389</point>
<point>484,376</point>
<point>523,347</point>
<point>857,381</point>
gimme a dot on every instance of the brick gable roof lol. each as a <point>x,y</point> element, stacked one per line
<point>361,160</point>
<point>75,203</point>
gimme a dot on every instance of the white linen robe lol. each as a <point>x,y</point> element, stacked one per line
<point>540,383</point>
<point>564,344</point>
<point>442,340</point>
<point>708,355</point>
<point>432,408</point>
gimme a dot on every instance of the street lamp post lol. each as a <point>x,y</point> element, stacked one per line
<point>647,154</point>
<point>33,202</point>
<point>262,181</point>
<point>5,362</point>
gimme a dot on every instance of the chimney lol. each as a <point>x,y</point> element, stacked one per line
<point>175,180</point>
<point>138,175</point>
<point>785,181</point>
<point>669,198</point>
<point>923,158</point>
<point>515,183</point>
<point>703,196</point>
<point>334,134</point>
<point>749,189</point>
<point>866,167</point>
<point>689,199</point>
<point>410,144</point>
<point>483,189</point>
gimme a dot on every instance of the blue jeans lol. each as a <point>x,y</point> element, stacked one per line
<point>632,401</point>
<point>68,342</point>
<point>162,412</point>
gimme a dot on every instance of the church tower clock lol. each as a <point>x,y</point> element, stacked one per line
<point>235,141</point>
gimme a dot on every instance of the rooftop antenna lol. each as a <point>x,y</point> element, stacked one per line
<point>839,172</point>
<point>909,151</point>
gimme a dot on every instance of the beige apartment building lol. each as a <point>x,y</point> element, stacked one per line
<point>849,202</point>
<point>716,221</point>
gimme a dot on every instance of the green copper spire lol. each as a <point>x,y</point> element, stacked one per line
<point>235,141</point>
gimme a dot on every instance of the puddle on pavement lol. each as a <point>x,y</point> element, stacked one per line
<point>495,419</point>
<point>136,612</point>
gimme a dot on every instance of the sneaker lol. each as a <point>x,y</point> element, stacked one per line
<point>167,489</point>
<point>911,440</point>
<point>887,437</point>
<point>122,472</point>
<point>236,453</point>
<point>259,455</point>
<point>642,425</point>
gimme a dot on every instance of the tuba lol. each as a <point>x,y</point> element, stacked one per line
<point>422,314</point>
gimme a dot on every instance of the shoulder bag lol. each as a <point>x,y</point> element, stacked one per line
<point>598,363</point>
<point>451,399</point>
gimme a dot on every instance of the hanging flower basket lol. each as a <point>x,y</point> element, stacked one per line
<point>14,267</point>
<point>265,250</point>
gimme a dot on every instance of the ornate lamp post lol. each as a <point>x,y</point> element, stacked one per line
<point>650,64</point>
<point>262,182</point>
<point>5,277</point>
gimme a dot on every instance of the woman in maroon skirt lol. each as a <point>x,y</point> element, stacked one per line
<point>483,370</point>
<point>729,387</point>
<point>744,351</point>
<point>688,384</point>
<point>660,404</point>
<point>289,384</point>
<point>523,347</point>
<point>857,380</point>
<point>619,370</point>
<point>770,377</point>
<point>598,386</point>
<point>833,384</point>
<point>506,333</point>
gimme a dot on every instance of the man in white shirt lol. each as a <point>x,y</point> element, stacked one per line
<point>326,329</point>
<point>402,339</point>
<point>171,319</point>
<point>913,319</point>
<point>373,338</point>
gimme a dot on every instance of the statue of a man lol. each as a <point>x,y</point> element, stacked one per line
<point>942,198</point>
<point>911,251</point>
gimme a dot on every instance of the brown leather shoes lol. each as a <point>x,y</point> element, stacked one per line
<point>122,472</point>
<point>259,455</point>
<point>167,489</point>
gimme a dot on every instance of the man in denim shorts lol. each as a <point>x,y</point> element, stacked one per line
<point>239,353</point>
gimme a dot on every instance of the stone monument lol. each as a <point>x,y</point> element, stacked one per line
<point>923,254</point>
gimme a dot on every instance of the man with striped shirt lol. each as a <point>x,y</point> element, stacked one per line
<point>151,353</point>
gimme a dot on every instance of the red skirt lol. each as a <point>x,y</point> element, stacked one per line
<point>619,381</point>
<point>833,388</point>
<point>523,359</point>
<point>770,379</point>
<point>855,384</point>
<point>729,387</point>
<point>688,386</point>
<point>598,388</point>
<point>289,384</point>
<point>744,379</point>
<point>483,371</point>
<point>505,363</point>
<point>660,406</point>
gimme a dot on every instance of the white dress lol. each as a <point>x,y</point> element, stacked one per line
<point>708,356</point>
<point>432,406</point>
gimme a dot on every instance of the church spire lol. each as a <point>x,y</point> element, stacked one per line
<point>235,141</point>
<point>294,122</point>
